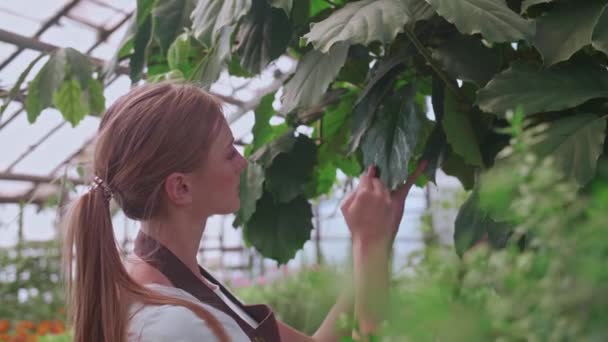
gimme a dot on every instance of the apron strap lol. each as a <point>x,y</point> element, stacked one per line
<point>160,257</point>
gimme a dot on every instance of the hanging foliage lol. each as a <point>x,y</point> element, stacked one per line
<point>365,68</point>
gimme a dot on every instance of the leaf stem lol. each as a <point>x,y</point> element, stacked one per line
<point>423,51</point>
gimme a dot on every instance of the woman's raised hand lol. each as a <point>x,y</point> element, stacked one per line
<point>372,212</point>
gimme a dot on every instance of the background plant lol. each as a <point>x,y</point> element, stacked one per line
<point>303,299</point>
<point>552,288</point>
<point>31,287</point>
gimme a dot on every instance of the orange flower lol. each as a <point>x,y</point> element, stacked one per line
<point>5,326</point>
<point>57,327</point>
<point>4,337</point>
<point>25,325</point>
<point>43,328</point>
<point>23,330</point>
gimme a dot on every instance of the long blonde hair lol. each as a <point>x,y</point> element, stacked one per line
<point>144,136</point>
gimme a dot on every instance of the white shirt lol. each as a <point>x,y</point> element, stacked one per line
<point>174,323</point>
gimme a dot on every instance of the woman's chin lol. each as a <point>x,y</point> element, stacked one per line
<point>234,208</point>
<point>230,208</point>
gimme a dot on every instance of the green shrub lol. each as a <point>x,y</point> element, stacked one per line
<point>55,338</point>
<point>548,281</point>
<point>302,300</point>
<point>31,286</point>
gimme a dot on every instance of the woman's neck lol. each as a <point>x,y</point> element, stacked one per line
<point>182,238</point>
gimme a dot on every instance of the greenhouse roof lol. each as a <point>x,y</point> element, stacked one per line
<point>37,158</point>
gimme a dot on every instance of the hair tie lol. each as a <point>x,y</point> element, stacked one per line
<point>98,182</point>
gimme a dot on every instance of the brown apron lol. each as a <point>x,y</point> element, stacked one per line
<point>181,277</point>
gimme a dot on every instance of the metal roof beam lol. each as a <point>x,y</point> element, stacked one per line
<point>22,177</point>
<point>35,145</point>
<point>35,44</point>
<point>53,20</point>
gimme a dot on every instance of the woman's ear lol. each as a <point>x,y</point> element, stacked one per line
<point>178,188</point>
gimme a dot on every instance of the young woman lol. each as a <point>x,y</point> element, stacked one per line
<point>165,154</point>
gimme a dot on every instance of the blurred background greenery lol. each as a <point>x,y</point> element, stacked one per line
<point>553,287</point>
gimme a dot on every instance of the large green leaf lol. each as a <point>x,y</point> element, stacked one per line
<point>282,144</point>
<point>492,18</point>
<point>382,80</point>
<point>357,64</point>
<point>141,41</point>
<point>349,165</point>
<point>210,16</point>
<point>285,5</point>
<point>313,75</point>
<point>435,152</point>
<point>600,33</point>
<point>542,90</point>
<point>566,29</point>
<point>390,141</point>
<point>179,52</point>
<point>455,166</point>
<point>263,36</point>
<point>235,68</point>
<point>279,230</point>
<point>124,49</point>
<point>97,101</point>
<point>336,124</point>
<point>170,19</point>
<point>212,65</point>
<point>473,224</point>
<point>323,178</point>
<point>33,106</point>
<point>318,6</point>
<point>80,66</point>
<point>418,10</point>
<point>17,86</point>
<point>459,131</point>
<point>334,132</point>
<point>574,143</point>
<point>468,59</point>
<point>289,173</point>
<point>69,100</point>
<point>529,3</point>
<point>46,82</point>
<point>436,147</point>
<point>366,21</point>
<point>262,131</point>
<point>144,8</point>
<point>250,190</point>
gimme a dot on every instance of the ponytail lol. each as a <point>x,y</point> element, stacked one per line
<point>99,289</point>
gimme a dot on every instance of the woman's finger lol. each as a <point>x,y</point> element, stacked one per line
<point>378,186</point>
<point>366,179</point>
<point>348,201</point>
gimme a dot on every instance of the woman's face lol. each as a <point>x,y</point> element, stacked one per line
<point>217,181</point>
